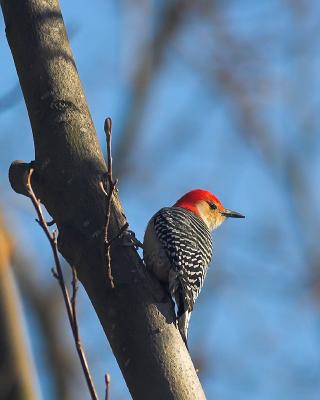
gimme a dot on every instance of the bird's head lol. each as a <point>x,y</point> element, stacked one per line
<point>207,207</point>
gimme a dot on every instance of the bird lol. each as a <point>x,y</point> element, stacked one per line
<point>177,248</point>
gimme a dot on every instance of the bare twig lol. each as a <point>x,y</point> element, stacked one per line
<point>73,302</point>
<point>121,230</point>
<point>111,184</point>
<point>58,274</point>
<point>107,381</point>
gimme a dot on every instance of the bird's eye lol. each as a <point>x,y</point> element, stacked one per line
<point>212,205</point>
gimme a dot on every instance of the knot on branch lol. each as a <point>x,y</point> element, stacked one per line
<point>18,176</point>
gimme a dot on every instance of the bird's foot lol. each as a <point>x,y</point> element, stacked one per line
<point>129,239</point>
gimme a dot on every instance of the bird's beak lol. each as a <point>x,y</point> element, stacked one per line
<point>231,214</point>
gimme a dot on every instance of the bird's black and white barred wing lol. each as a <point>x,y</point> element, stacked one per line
<point>188,244</point>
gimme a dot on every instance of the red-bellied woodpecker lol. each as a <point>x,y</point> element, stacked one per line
<point>177,247</point>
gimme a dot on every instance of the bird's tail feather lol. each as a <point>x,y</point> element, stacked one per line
<point>183,324</point>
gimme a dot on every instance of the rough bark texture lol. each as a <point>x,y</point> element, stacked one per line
<point>69,165</point>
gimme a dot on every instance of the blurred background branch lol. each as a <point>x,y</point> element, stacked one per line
<point>17,380</point>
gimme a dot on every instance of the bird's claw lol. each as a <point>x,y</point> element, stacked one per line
<point>129,239</point>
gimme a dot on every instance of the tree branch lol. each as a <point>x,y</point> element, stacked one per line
<point>111,184</point>
<point>16,369</point>
<point>107,382</point>
<point>68,166</point>
<point>57,273</point>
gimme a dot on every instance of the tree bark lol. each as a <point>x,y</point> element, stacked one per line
<point>68,167</point>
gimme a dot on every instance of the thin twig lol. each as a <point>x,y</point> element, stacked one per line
<point>74,300</point>
<point>58,274</point>
<point>111,184</point>
<point>121,230</point>
<point>107,380</point>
